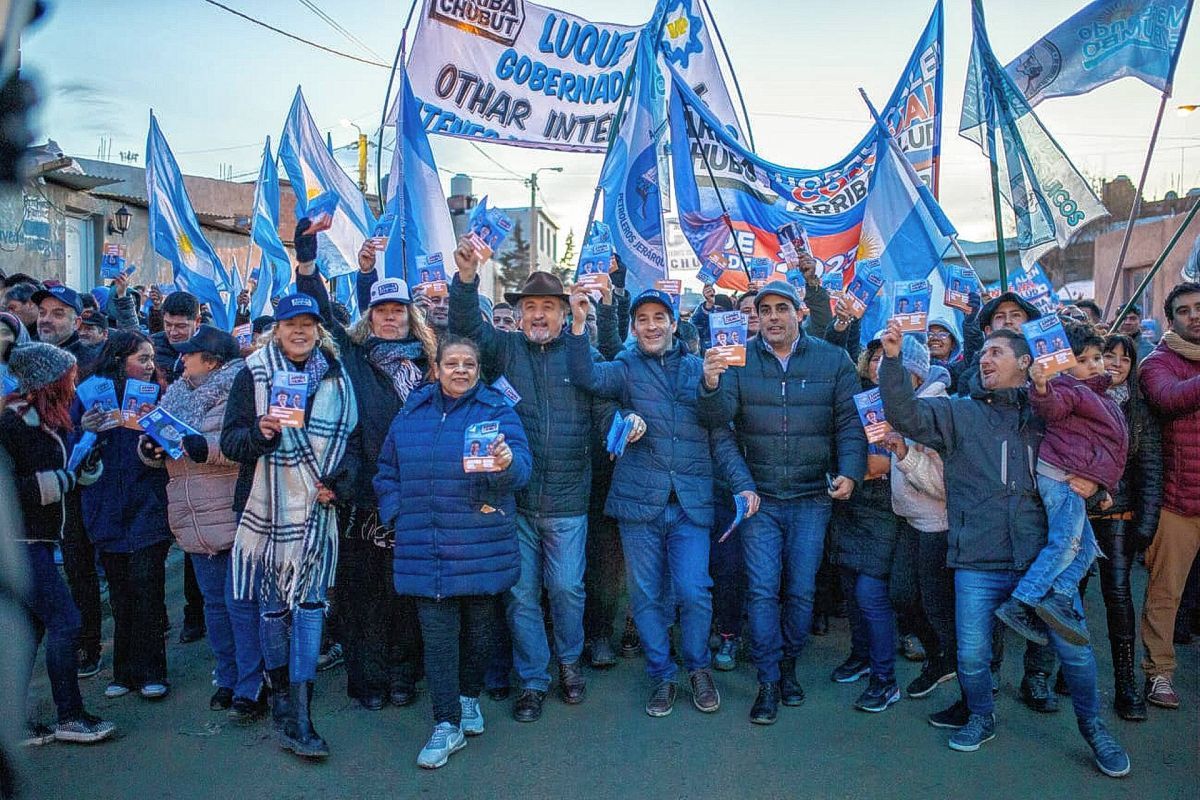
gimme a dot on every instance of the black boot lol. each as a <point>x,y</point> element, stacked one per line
<point>789,688</point>
<point>281,703</point>
<point>1127,699</point>
<point>298,734</point>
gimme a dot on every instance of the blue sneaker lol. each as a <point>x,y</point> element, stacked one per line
<point>1111,758</point>
<point>472,716</point>
<point>446,740</point>
<point>726,657</point>
<point>980,728</point>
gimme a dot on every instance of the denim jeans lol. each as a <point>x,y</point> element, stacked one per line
<point>727,570</point>
<point>673,550</point>
<point>782,546</point>
<point>292,636</point>
<point>1070,545</point>
<point>136,589</point>
<point>53,615</point>
<point>457,636</point>
<point>978,594</point>
<point>872,622</point>
<point>211,576</point>
<point>552,554</point>
<point>246,623</point>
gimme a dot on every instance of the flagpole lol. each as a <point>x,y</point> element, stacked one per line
<point>995,170</point>
<point>729,63</point>
<point>692,134</point>
<point>1141,287</point>
<point>387,96</point>
<point>1137,203</point>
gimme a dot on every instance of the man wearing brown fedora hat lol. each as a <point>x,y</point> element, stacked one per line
<point>560,421</point>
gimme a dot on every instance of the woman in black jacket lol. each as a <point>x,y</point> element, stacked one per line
<point>1130,524</point>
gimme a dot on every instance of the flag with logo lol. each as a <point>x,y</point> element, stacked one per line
<point>175,231</point>
<point>275,267</point>
<point>686,43</point>
<point>1104,41</point>
<point>762,196</point>
<point>1051,200</point>
<point>630,176</point>
<point>421,219</point>
<point>313,171</point>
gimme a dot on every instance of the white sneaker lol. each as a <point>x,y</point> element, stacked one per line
<point>446,740</point>
<point>114,690</point>
<point>472,716</point>
<point>154,691</point>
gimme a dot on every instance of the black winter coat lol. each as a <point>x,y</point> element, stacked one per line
<point>989,444</point>
<point>560,420</point>
<point>863,529</point>
<point>792,427</point>
<point>1140,489</point>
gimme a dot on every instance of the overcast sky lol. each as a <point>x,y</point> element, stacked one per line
<point>219,85</point>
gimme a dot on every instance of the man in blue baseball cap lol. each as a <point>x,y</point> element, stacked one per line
<point>662,488</point>
<point>59,310</point>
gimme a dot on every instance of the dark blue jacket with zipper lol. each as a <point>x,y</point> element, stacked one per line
<point>455,531</point>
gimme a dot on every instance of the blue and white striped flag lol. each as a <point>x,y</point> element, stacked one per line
<point>275,268</point>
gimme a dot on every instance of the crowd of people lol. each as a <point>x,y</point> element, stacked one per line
<point>746,508</point>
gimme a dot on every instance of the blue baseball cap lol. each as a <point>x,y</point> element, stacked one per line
<point>63,294</point>
<point>781,289</point>
<point>296,305</point>
<point>653,296</point>
<point>390,290</point>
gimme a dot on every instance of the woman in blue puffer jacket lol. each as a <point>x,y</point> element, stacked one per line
<point>456,541</point>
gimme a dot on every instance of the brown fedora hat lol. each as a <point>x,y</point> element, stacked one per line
<point>538,284</point>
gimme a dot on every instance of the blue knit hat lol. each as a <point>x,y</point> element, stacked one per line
<point>915,356</point>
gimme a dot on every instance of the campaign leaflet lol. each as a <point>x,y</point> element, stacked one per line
<point>961,281</point>
<point>710,271</point>
<point>728,333</point>
<point>1049,344</point>
<point>870,413</point>
<point>761,270</point>
<point>911,305</point>
<point>489,227</point>
<point>101,393</point>
<point>672,287</point>
<point>868,280</point>
<point>81,449</point>
<point>139,400</point>
<point>595,264</point>
<point>511,395</point>
<point>167,431</point>
<point>112,261</point>
<point>740,506</point>
<point>381,231</point>
<point>289,393</point>
<point>244,334</point>
<point>477,447</point>
<point>431,272</point>
<point>320,212</point>
<point>618,435</point>
<point>793,240</point>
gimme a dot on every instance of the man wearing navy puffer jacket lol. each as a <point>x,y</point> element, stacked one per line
<point>662,488</point>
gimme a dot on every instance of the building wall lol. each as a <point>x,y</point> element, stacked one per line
<point>1149,239</point>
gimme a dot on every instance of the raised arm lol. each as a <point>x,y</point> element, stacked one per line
<point>927,420</point>
<point>465,319</point>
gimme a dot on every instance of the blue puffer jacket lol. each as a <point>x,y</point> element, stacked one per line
<point>126,510</point>
<point>792,426</point>
<point>677,452</point>
<point>455,532</point>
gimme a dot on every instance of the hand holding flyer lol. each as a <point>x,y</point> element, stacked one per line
<point>479,447</point>
<point>381,232</point>
<point>1049,344</point>
<point>870,412</point>
<point>289,395</point>
<point>139,399</point>
<point>961,281</point>
<point>100,393</point>
<point>80,451</point>
<point>711,271</point>
<point>320,212</point>
<point>618,434</point>
<point>740,506</point>
<point>167,431</point>
<point>868,280</point>
<point>431,274</point>
<point>728,331</point>
<point>911,305</point>
<point>793,240</point>
<point>112,261</point>
<point>244,334</point>
<point>489,228</point>
<point>761,270</point>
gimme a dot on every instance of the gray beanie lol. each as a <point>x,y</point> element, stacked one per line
<point>915,356</point>
<point>37,364</point>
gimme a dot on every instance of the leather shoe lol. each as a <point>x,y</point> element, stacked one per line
<point>499,693</point>
<point>1035,693</point>
<point>789,688</point>
<point>571,684</point>
<point>601,655</point>
<point>402,696</point>
<point>528,707</point>
<point>766,706</point>
<point>372,702</point>
<point>192,633</point>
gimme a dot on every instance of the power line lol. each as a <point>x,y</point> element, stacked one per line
<point>350,37</point>
<point>483,153</point>
<point>281,32</point>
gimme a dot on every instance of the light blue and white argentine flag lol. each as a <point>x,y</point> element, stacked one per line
<point>175,231</point>
<point>1051,200</point>
<point>1104,41</point>
<point>275,268</point>
<point>312,171</point>
<point>235,288</point>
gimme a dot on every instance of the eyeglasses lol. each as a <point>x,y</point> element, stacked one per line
<point>938,335</point>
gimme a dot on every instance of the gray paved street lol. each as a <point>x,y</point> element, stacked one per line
<point>608,748</point>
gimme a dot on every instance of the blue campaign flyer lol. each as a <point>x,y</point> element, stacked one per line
<point>321,210</point>
<point>618,435</point>
<point>139,399</point>
<point>511,396</point>
<point>961,281</point>
<point>728,333</point>
<point>761,270</point>
<point>868,280</point>
<point>167,431</point>
<point>431,269</point>
<point>1048,341</point>
<point>489,227</point>
<point>101,393</point>
<point>911,306</point>
<point>289,395</point>
<point>112,261</point>
<point>710,271</point>
<point>740,506</point>
<point>870,413</point>
<point>477,447</point>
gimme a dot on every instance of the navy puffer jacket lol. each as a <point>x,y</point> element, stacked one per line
<point>560,420</point>
<point>677,452</point>
<point>455,531</point>
<point>792,426</point>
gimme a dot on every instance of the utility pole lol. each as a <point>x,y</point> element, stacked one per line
<point>362,155</point>
<point>533,220</point>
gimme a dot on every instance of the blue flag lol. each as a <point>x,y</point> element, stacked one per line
<point>630,179</point>
<point>275,267</point>
<point>263,284</point>
<point>1052,201</point>
<point>235,288</point>
<point>421,219</point>
<point>1104,41</point>
<point>176,232</point>
<point>313,171</point>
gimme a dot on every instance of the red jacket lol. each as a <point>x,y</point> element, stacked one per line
<point>1171,384</point>
<point>1086,434</point>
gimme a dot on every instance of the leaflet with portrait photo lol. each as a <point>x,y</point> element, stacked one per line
<point>870,413</point>
<point>320,212</point>
<point>167,431</point>
<point>112,261</point>
<point>1049,344</point>
<point>139,400</point>
<point>960,282</point>
<point>710,271</point>
<point>672,287</point>
<point>489,227</point>
<point>478,442</point>
<point>728,333</point>
<point>910,305</point>
<point>381,232</point>
<point>793,240</point>
<point>289,394</point>
<point>100,393</point>
<point>867,282</point>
